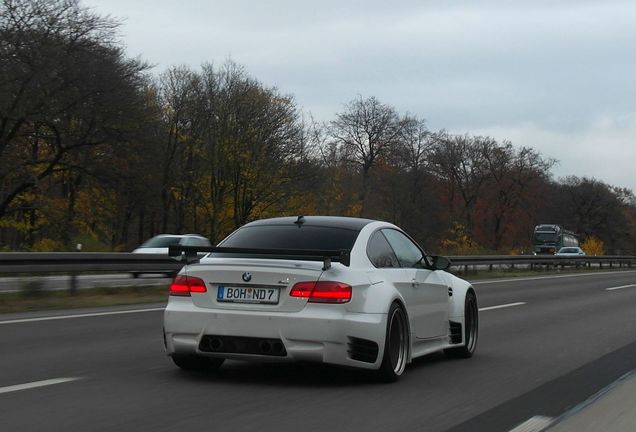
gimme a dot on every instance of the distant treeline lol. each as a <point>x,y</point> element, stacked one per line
<point>95,149</point>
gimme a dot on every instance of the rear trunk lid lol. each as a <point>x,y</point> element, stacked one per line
<point>252,284</point>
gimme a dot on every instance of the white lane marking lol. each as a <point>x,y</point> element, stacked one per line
<point>620,287</point>
<point>501,306</point>
<point>37,384</point>
<point>534,424</point>
<point>550,277</point>
<point>96,314</point>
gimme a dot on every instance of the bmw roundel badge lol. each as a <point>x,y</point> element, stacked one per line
<point>247,276</point>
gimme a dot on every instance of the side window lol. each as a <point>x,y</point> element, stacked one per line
<point>380,253</point>
<point>408,254</point>
<point>197,241</point>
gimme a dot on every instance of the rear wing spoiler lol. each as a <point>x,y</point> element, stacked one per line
<point>326,256</point>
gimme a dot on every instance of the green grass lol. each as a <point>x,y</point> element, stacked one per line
<point>34,299</point>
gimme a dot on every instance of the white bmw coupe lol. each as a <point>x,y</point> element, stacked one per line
<point>346,291</point>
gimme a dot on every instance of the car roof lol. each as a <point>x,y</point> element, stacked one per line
<point>322,221</point>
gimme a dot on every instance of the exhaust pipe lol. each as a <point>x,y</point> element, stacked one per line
<point>278,348</point>
<point>216,344</point>
<point>266,347</point>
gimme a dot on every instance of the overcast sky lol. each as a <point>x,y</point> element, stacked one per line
<point>556,76</point>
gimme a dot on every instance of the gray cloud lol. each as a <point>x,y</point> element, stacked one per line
<point>553,75</point>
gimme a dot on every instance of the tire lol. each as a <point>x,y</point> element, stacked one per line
<point>396,345</point>
<point>471,329</point>
<point>197,363</point>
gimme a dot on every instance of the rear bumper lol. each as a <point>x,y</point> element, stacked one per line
<point>319,332</point>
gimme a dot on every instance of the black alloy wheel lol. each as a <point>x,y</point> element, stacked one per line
<point>396,346</point>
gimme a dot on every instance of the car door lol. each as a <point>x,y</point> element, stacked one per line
<point>424,290</point>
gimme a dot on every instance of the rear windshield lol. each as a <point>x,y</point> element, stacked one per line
<point>569,250</point>
<point>161,242</point>
<point>291,237</point>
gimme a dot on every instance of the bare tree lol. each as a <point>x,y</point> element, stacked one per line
<point>179,98</point>
<point>592,207</point>
<point>251,136</point>
<point>367,130</point>
<point>459,161</point>
<point>414,151</point>
<point>512,171</point>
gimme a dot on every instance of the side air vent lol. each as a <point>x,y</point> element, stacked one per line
<point>455,332</point>
<point>362,350</point>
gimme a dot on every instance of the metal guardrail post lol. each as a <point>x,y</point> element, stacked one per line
<point>73,281</point>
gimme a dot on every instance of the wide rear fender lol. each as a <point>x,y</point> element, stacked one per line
<point>460,288</point>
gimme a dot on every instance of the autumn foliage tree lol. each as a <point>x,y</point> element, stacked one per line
<point>66,89</point>
<point>96,149</point>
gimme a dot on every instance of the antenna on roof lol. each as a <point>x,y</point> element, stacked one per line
<point>300,221</point>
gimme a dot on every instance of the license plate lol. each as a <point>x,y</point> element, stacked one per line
<point>247,294</point>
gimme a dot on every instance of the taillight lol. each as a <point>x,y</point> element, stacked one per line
<point>322,291</point>
<point>183,285</point>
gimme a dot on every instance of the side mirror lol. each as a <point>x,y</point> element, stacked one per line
<point>441,263</point>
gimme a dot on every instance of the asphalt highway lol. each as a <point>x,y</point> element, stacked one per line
<point>545,346</point>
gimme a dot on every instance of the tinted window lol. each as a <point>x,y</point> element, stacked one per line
<point>291,237</point>
<point>408,254</point>
<point>380,253</point>
<point>545,237</point>
<point>195,241</point>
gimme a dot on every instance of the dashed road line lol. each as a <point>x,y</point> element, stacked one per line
<point>36,384</point>
<point>534,424</point>
<point>85,315</point>
<point>620,287</point>
<point>501,306</point>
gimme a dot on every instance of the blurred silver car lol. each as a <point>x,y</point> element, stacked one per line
<point>159,245</point>
<point>570,251</point>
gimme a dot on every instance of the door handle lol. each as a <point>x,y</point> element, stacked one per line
<point>414,283</point>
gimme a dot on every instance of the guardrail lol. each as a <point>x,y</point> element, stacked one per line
<point>66,262</point>
<point>71,262</point>
<point>532,261</point>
